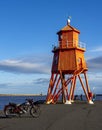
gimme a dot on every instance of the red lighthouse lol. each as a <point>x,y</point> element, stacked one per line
<point>67,66</point>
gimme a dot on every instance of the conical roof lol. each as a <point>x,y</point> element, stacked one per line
<point>68,28</point>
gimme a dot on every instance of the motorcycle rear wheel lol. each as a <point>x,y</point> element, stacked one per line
<point>9,111</point>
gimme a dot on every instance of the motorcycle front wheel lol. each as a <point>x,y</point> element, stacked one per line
<point>35,111</point>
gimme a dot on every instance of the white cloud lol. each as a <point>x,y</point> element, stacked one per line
<point>95,64</point>
<point>98,49</point>
<point>23,65</point>
<point>16,74</point>
<point>41,81</point>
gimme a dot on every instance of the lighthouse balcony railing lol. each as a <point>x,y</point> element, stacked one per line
<point>70,45</point>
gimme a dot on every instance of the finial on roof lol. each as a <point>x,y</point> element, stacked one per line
<point>68,21</point>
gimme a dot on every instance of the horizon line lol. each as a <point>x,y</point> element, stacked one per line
<point>22,95</point>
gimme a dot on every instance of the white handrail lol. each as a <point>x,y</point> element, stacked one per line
<point>70,44</point>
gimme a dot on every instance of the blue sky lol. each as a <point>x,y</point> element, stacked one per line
<point>28,31</point>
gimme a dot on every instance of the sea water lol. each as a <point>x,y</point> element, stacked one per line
<point>4,100</point>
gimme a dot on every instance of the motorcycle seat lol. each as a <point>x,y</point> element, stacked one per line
<point>13,104</point>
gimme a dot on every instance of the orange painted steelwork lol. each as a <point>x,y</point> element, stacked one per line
<point>67,66</point>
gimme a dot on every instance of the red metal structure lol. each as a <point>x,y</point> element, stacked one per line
<point>68,65</point>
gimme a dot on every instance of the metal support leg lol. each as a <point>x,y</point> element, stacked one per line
<point>63,87</point>
<point>83,88</point>
<point>74,86</point>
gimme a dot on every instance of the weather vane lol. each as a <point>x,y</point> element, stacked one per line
<point>69,19</point>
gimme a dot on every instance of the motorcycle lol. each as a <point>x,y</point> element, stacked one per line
<point>29,106</point>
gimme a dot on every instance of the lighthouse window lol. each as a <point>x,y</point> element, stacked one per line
<point>60,36</point>
<point>79,60</point>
